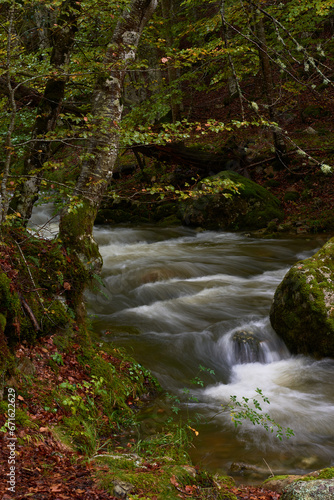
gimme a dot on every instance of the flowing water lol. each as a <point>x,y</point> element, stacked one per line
<point>179,299</point>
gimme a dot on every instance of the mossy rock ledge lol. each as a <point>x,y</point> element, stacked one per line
<point>253,208</point>
<point>321,489</point>
<point>302,313</point>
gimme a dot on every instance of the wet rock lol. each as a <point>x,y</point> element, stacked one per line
<point>246,347</point>
<point>302,313</point>
<point>319,489</point>
<point>243,469</point>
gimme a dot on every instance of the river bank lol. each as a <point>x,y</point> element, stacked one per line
<point>69,444</point>
<point>77,402</point>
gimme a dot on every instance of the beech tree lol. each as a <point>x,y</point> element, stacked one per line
<point>77,219</point>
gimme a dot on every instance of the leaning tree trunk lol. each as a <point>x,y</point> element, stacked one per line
<point>39,152</point>
<point>77,219</point>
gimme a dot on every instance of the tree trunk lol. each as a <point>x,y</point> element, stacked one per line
<point>167,12</point>
<point>4,198</point>
<point>77,219</point>
<point>268,86</point>
<point>48,110</point>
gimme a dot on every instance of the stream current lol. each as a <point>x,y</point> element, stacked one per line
<point>176,299</point>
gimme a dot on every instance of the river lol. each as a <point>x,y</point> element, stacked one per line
<point>176,298</point>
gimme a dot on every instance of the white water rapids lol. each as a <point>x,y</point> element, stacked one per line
<point>176,298</point>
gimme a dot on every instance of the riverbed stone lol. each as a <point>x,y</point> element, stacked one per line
<point>319,489</point>
<point>302,313</point>
<point>253,208</point>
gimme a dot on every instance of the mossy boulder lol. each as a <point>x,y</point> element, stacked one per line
<point>320,489</point>
<point>253,208</point>
<point>280,483</point>
<point>302,312</point>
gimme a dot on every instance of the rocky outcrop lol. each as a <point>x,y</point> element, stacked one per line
<point>316,485</point>
<point>302,313</point>
<point>253,208</point>
<point>320,489</point>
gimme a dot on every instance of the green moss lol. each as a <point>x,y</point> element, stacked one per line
<point>326,473</point>
<point>323,474</point>
<point>160,484</point>
<point>276,478</point>
<point>75,226</point>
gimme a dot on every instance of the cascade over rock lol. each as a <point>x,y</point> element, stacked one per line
<point>253,208</point>
<point>302,312</point>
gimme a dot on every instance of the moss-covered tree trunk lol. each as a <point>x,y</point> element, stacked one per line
<point>77,219</point>
<point>62,37</point>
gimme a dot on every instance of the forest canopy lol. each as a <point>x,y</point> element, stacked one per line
<point>83,81</point>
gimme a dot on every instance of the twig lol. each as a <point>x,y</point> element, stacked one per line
<point>30,313</point>
<point>272,474</point>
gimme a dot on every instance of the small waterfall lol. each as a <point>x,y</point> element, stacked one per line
<point>254,343</point>
<point>247,348</point>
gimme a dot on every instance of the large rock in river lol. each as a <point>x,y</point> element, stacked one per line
<point>302,312</point>
<point>253,208</point>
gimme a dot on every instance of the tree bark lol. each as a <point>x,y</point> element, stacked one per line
<point>167,12</point>
<point>48,111</point>
<point>77,219</point>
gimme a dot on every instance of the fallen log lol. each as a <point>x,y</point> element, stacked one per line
<point>204,162</point>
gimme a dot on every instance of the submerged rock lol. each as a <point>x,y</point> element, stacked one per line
<point>302,313</point>
<point>253,208</point>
